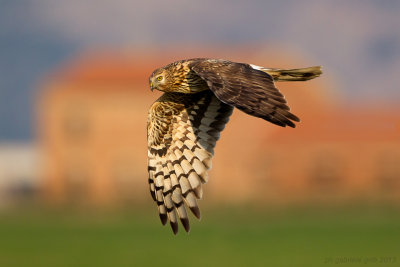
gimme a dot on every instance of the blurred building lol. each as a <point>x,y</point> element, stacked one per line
<point>92,128</point>
<point>346,153</point>
<point>92,131</point>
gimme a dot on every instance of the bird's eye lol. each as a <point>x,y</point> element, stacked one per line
<point>159,78</point>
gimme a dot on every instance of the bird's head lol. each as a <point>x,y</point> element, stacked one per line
<point>159,80</point>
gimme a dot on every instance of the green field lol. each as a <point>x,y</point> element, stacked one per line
<point>351,236</point>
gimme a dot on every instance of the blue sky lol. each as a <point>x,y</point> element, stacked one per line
<point>358,42</point>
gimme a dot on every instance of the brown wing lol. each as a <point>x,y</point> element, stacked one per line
<point>182,131</point>
<point>248,89</point>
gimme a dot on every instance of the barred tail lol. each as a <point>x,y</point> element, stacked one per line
<point>302,74</point>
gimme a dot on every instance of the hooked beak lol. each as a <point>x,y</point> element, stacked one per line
<point>151,86</point>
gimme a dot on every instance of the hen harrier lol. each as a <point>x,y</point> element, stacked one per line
<point>184,124</point>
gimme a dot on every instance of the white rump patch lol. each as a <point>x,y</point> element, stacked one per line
<point>256,67</point>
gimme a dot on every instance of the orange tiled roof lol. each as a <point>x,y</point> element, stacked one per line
<point>135,66</point>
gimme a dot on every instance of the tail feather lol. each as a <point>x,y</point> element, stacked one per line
<point>302,74</point>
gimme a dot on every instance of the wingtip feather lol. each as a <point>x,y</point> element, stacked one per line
<point>196,212</point>
<point>185,223</point>
<point>163,218</point>
<point>174,227</point>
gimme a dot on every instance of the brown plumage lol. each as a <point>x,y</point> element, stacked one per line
<point>184,124</point>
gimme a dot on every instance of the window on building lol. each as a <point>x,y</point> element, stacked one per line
<point>76,122</point>
<point>388,171</point>
<point>125,179</point>
<point>327,172</point>
<point>76,183</point>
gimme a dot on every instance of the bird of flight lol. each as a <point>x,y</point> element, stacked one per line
<point>184,124</point>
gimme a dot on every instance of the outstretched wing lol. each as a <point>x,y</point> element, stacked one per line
<point>248,89</point>
<point>182,131</point>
